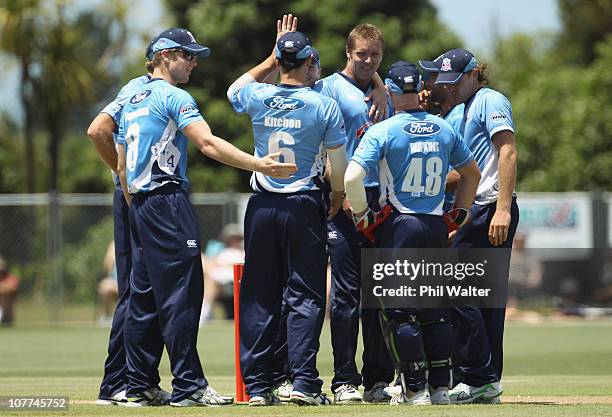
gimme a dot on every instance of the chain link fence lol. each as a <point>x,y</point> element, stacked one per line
<point>56,243</point>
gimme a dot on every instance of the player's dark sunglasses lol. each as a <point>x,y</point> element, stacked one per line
<point>186,54</point>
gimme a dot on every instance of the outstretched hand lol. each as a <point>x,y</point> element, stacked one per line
<point>269,165</point>
<point>288,23</point>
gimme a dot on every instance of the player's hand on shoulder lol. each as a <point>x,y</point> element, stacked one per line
<point>378,110</point>
<point>269,165</point>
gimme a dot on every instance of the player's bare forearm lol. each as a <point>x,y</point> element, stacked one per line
<point>506,145</point>
<point>267,71</point>
<point>469,177</point>
<point>500,223</point>
<point>121,167</point>
<point>100,132</point>
<point>452,180</point>
<point>219,149</point>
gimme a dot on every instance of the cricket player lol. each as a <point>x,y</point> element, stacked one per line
<point>364,52</point>
<point>413,163</point>
<point>439,101</point>
<point>285,222</point>
<point>167,286</point>
<point>103,134</point>
<point>488,130</point>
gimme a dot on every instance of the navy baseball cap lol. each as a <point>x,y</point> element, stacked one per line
<point>315,56</point>
<point>451,65</point>
<point>177,38</point>
<point>149,53</point>
<point>293,46</point>
<point>401,74</point>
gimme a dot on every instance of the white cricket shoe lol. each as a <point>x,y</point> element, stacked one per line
<point>378,393</point>
<point>439,396</point>
<point>151,397</point>
<point>116,399</point>
<point>303,398</point>
<point>263,400</point>
<point>283,391</point>
<point>204,397</point>
<point>347,394</point>
<point>412,398</point>
<point>467,394</point>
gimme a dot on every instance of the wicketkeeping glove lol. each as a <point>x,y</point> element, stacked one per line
<point>370,220</point>
<point>456,218</point>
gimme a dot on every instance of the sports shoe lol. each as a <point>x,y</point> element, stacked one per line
<point>393,390</point>
<point>467,394</point>
<point>151,397</point>
<point>412,398</point>
<point>304,398</point>
<point>283,391</point>
<point>347,394</point>
<point>204,397</point>
<point>264,399</point>
<point>113,400</point>
<point>439,396</point>
<point>378,393</point>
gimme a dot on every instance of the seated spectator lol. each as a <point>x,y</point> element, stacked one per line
<point>108,290</point>
<point>8,294</point>
<point>218,268</point>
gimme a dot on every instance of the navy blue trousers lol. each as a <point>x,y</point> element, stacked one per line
<point>284,257</point>
<point>432,338</point>
<point>479,332</point>
<point>167,291</point>
<point>344,245</point>
<point>115,367</point>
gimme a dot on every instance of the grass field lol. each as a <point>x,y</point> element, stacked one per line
<point>550,370</point>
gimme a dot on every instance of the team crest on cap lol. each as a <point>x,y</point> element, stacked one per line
<point>289,44</point>
<point>446,65</point>
<point>191,36</point>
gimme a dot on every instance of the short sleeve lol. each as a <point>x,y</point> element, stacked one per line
<point>240,97</point>
<point>335,132</point>
<point>182,108</point>
<point>114,108</point>
<point>498,114</point>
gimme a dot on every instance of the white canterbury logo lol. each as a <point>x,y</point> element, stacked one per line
<point>191,243</point>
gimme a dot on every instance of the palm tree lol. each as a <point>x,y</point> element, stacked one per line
<point>18,34</point>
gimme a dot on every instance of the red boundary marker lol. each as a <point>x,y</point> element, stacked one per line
<point>241,394</point>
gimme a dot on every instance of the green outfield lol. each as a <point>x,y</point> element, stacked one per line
<point>556,369</point>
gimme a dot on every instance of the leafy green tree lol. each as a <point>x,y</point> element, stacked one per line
<point>18,22</point>
<point>584,23</point>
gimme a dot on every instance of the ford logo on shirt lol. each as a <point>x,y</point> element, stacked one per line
<point>421,128</point>
<point>140,96</point>
<point>283,103</point>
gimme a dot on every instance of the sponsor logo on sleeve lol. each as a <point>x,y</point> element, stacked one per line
<point>283,103</point>
<point>421,128</point>
<point>140,96</point>
<point>188,108</point>
<point>498,116</point>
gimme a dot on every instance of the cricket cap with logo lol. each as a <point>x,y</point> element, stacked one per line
<point>293,47</point>
<point>403,77</point>
<point>176,38</point>
<point>451,65</point>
